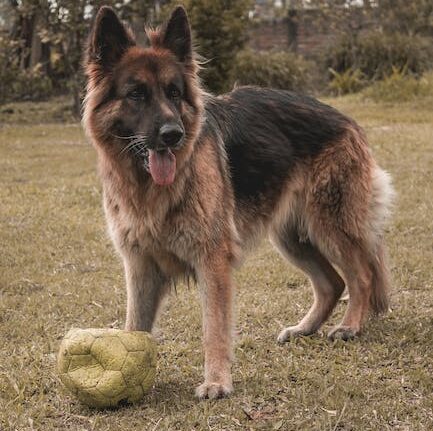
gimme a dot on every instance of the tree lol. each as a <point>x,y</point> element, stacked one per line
<point>48,37</point>
<point>406,17</point>
<point>27,17</point>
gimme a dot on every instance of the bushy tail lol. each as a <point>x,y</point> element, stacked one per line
<point>379,300</point>
<point>381,207</point>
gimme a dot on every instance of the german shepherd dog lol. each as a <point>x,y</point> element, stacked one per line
<point>191,181</point>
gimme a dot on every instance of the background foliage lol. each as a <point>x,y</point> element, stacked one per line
<point>284,70</point>
<point>41,43</point>
<point>375,54</point>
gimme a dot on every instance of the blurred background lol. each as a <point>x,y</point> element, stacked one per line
<point>322,47</point>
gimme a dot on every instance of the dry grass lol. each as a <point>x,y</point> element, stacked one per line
<point>58,270</point>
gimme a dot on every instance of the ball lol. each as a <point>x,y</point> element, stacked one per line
<point>107,367</point>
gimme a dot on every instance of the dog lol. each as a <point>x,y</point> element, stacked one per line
<point>192,181</point>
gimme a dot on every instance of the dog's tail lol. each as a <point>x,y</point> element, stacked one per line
<point>382,202</point>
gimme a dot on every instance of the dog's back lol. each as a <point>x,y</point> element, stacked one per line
<point>268,134</point>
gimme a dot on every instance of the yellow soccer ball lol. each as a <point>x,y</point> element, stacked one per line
<point>105,367</point>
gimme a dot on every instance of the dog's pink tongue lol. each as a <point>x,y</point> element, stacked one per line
<point>162,166</point>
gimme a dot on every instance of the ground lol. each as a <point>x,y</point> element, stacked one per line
<point>58,270</point>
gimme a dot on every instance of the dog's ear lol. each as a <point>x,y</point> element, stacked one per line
<point>177,35</point>
<point>109,39</point>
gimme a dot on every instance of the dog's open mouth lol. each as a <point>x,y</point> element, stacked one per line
<point>162,166</point>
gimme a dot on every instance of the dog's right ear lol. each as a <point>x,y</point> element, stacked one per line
<point>109,39</point>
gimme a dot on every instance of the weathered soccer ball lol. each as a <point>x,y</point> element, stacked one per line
<point>105,367</point>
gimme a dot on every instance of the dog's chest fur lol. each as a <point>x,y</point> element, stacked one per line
<point>173,226</point>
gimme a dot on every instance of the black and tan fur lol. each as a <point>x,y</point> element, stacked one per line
<point>249,163</point>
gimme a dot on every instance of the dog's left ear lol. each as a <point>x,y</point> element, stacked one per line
<point>177,35</point>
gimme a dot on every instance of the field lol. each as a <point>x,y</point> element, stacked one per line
<point>58,270</point>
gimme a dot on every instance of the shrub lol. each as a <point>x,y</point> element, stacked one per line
<point>400,87</point>
<point>349,81</point>
<point>18,84</point>
<point>375,54</point>
<point>282,70</point>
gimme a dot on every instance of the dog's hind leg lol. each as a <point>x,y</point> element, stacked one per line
<point>327,284</point>
<point>358,274</point>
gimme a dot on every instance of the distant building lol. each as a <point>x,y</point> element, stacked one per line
<point>290,25</point>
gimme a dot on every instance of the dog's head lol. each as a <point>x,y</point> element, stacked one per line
<point>143,103</point>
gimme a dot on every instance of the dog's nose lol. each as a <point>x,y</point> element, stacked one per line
<point>171,134</point>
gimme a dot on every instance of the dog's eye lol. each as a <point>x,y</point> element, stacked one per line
<point>137,94</point>
<point>173,92</point>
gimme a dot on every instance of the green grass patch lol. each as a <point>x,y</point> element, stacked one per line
<point>58,270</point>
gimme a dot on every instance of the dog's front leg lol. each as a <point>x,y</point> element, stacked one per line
<point>217,307</point>
<point>146,286</point>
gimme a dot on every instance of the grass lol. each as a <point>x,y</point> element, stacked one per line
<point>58,270</point>
<point>56,110</point>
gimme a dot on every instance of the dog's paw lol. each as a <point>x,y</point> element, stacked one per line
<point>344,333</point>
<point>292,332</point>
<point>213,391</point>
